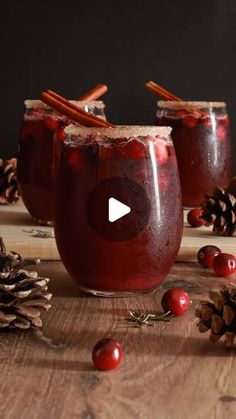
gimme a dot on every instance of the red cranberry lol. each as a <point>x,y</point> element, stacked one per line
<point>221,133</point>
<point>161,153</point>
<point>51,124</point>
<point>107,354</point>
<point>224,120</point>
<point>207,121</point>
<point>206,255</point>
<point>181,113</point>
<point>190,121</point>
<point>74,159</point>
<point>194,217</point>
<point>224,264</point>
<point>175,300</point>
<point>61,134</point>
<point>134,150</point>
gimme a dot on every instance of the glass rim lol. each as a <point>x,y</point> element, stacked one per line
<point>37,103</point>
<point>177,105</point>
<point>119,131</point>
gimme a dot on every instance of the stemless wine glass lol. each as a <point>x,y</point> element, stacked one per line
<point>39,131</point>
<point>142,157</point>
<point>201,138</point>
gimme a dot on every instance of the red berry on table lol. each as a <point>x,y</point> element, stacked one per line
<point>175,300</point>
<point>194,217</point>
<point>224,264</point>
<point>107,354</point>
<point>206,255</point>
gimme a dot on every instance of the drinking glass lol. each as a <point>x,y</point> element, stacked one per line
<point>40,133</point>
<point>92,157</point>
<point>201,137</point>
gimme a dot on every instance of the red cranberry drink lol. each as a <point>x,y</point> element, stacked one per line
<point>135,166</point>
<point>39,131</point>
<point>201,138</point>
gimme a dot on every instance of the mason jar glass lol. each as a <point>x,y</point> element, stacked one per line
<point>108,254</point>
<point>39,135</point>
<point>201,137</point>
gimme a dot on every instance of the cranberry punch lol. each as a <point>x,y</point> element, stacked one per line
<point>135,166</point>
<point>40,128</point>
<point>201,138</point>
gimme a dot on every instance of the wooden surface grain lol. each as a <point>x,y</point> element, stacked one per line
<point>168,372</point>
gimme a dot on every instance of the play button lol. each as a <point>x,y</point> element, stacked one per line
<point>118,209</point>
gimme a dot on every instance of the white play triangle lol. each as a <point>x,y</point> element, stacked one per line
<point>116,210</point>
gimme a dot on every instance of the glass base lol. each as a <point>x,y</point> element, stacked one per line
<point>44,222</point>
<point>114,294</point>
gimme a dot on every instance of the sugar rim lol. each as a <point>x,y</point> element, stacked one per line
<point>119,131</point>
<point>36,103</point>
<point>176,105</point>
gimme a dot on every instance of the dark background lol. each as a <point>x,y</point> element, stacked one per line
<point>187,46</point>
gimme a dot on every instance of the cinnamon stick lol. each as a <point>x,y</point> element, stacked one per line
<point>160,91</point>
<point>94,93</point>
<point>62,105</point>
<point>166,95</point>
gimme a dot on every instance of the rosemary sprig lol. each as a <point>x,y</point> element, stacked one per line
<point>42,234</point>
<point>137,319</point>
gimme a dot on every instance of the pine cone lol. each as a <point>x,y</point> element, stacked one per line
<point>219,315</point>
<point>220,210</point>
<point>9,192</point>
<point>22,293</point>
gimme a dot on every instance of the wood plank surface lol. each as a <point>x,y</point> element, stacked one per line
<point>15,222</point>
<point>15,227</point>
<point>168,372</point>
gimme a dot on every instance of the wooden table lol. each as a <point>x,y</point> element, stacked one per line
<point>170,371</point>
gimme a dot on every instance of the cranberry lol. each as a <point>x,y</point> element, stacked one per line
<point>161,153</point>
<point>224,264</point>
<point>221,133</point>
<point>190,121</point>
<point>175,300</point>
<point>107,354</point>
<point>61,134</point>
<point>207,121</point>
<point>224,121</point>
<point>181,114</point>
<point>194,217</point>
<point>51,124</point>
<point>134,150</point>
<point>206,255</point>
<point>74,159</point>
